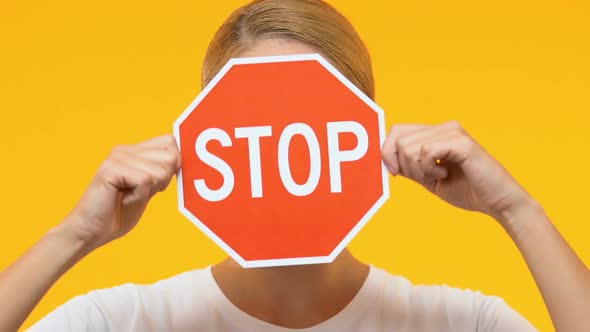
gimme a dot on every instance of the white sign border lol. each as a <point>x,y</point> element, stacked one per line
<point>355,230</point>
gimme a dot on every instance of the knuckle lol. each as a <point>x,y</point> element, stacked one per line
<point>169,141</point>
<point>425,150</point>
<point>402,143</point>
<point>119,148</point>
<point>401,149</point>
<point>163,169</point>
<point>169,164</point>
<point>466,143</point>
<point>106,169</point>
<point>413,151</point>
<point>405,148</point>
<point>159,173</point>
<point>457,127</point>
<point>144,178</point>
<point>164,173</point>
<point>396,129</point>
<point>454,124</point>
<point>170,161</point>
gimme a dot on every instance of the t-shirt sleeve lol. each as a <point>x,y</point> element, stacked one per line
<point>106,309</point>
<point>497,316</point>
<point>128,307</point>
<point>488,313</point>
<point>79,314</point>
<point>444,308</point>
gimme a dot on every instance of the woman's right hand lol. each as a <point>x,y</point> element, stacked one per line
<point>119,193</point>
<point>110,207</point>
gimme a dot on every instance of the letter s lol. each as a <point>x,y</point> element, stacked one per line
<point>214,195</point>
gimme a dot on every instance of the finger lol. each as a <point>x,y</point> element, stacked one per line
<point>417,167</point>
<point>399,157</point>
<point>165,143</point>
<point>157,151</point>
<point>133,183</point>
<point>408,161</point>
<point>160,164</point>
<point>456,149</point>
<point>161,142</point>
<point>160,172</point>
<point>433,171</point>
<point>414,163</point>
<point>408,148</point>
<point>389,152</point>
<point>430,164</point>
<point>427,132</point>
<point>169,159</point>
<point>411,159</point>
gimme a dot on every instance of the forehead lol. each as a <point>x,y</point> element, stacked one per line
<point>277,46</point>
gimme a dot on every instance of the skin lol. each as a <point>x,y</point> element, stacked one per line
<point>443,158</point>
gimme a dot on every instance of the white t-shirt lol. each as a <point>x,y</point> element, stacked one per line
<point>192,301</point>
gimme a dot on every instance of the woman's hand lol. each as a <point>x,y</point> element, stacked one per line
<point>111,206</point>
<point>120,191</point>
<point>452,165</point>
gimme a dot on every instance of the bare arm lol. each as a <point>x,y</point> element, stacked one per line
<point>562,278</point>
<point>112,205</point>
<point>448,162</point>
<point>24,283</point>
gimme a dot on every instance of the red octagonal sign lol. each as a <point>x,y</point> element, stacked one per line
<point>281,160</point>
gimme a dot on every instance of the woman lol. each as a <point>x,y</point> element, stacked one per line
<point>346,295</point>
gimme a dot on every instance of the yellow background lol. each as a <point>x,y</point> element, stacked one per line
<point>78,77</point>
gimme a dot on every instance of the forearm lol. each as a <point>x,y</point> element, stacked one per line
<point>562,277</point>
<point>24,283</point>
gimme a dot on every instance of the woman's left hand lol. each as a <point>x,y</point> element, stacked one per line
<point>451,164</point>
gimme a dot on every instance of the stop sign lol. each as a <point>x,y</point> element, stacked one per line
<point>281,160</point>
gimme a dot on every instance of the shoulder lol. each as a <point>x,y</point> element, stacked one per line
<point>177,288</point>
<point>146,307</point>
<point>429,306</point>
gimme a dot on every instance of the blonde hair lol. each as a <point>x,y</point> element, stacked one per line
<point>313,22</point>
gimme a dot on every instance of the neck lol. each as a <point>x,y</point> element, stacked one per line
<point>292,296</point>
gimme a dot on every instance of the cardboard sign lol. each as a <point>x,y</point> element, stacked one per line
<point>281,160</point>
